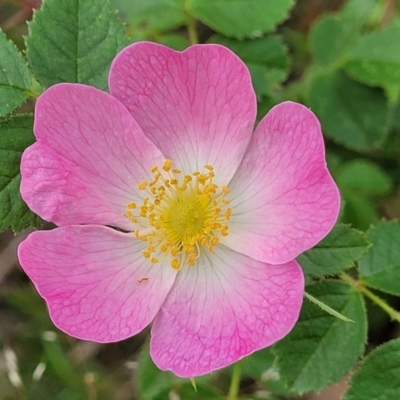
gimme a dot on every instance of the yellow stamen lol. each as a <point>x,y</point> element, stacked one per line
<point>182,215</point>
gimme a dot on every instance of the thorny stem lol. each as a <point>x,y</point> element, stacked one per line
<point>361,288</point>
<point>235,382</point>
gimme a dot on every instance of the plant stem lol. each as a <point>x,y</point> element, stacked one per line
<point>359,286</point>
<point>235,382</point>
<point>191,27</point>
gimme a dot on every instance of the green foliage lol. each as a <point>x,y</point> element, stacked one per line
<point>153,384</point>
<point>74,41</point>
<point>352,114</point>
<point>241,18</point>
<point>15,78</point>
<point>375,60</point>
<point>345,66</point>
<point>266,59</point>
<point>15,135</point>
<point>337,252</point>
<point>363,178</point>
<point>321,348</point>
<point>379,375</point>
<point>361,182</point>
<point>333,36</point>
<point>380,267</point>
<point>158,15</point>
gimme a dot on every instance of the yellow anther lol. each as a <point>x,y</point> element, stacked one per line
<point>225,189</point>
<point>225,201</point>
<point>209,167</point>
<point>228,213</point>
<point>224,230</point>
<point>174,181</point>
<point>131,205</point>
<point>175,264</point>
<point>142,185</point>
<point>153,260</point>
<point>164,248</point>
<point>191,260</point>
<point>146,254</point>
<point>187,178</point>
<point>167,165</point>
<point>176,171</point>
<point>154,169</point>
<point>129,214</point>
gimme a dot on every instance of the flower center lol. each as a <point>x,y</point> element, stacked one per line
<point>180,214</point>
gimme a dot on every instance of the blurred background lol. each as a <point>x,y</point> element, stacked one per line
<point>302,61</point>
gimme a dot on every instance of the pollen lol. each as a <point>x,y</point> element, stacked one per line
<point>180,215</point>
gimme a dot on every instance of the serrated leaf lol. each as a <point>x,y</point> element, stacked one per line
<point>352,114</point>
<point>321,348</point>
<point>74,41</point>
<point>241,18</point>
<point>333,36</point>
<point>375,60</point>
<point>337,252</point>
<point>379,375</point>
<point>266,59</point>
<point>15,78</point>
<point>15,135</point>
<point>159,15</point>
<point>380,267</point>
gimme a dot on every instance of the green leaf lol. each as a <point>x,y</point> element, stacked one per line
<point>58,361</point>
<point>150,381</point>
<point>159,15</point>
<point>266,59</point>
<point>375,60</point>
<point>363,178</point>
<point>15,136</point>
<point>337,252</point>
<point>74,41</point>
<point>241,18</point>
<point>333,36</point>
<point>15,78</point>
<point>321,348</point>
<point>380,267</point>
<point>351,114</point>
<point>379,375</point>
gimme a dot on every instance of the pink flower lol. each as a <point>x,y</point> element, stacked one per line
<point>170,210</point>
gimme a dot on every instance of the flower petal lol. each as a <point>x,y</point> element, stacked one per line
<point>89,156</point>
<point>225,308</point>
<point>198,106</point>
<point>283,198</point>
<point>96,282</point>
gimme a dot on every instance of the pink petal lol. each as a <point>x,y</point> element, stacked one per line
<point>198,106</point>
<point>96,282</point>
<point>88,159</point>
<point>225,308</point>
<point>284,200</point>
